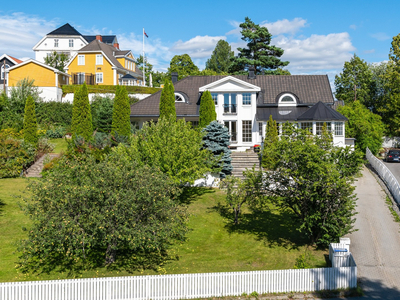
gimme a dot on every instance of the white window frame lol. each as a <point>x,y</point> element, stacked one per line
<point>99,77</point>
<point>246,99</point>
<point>247,135</point>
<point>230,107</point>
<point>3,71</point>
<point>56,43</point>
<point>99,59</point>
<point>232,128</point>
<point>71,43</point>
<point>179,96</point>
<point>287,103</point>
<point>214,96</point>
<point>81,60</point>
<point>339,126</point>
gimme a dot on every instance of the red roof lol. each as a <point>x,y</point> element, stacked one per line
<point>16,59</point>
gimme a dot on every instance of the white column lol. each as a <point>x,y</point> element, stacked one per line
<point>115,76</point>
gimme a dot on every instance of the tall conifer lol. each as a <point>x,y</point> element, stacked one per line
<point>167,101</point>
<point>270,155</point>
<point>121,113</point>
<point>30,124</point>
<point>81,114</point>
<point>207,110</point>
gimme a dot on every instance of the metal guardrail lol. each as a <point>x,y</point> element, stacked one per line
<point>387,176</point>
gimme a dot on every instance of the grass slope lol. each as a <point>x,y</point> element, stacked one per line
<point>262,242</point>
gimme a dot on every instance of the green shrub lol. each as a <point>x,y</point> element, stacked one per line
<point>121,113</point>
<point>15,156</point>
<point>55,133</point>
<point>54,113</point>
<point>167,101</point>
<point>81,124</point>
<point>110,89</point>
<point>207,110</point>
<point>102,111</point>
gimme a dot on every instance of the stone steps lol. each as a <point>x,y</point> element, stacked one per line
<point>242,161</point>
<point>36,169</point>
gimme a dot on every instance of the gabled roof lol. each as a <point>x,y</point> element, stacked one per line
<point>127,77</point>
<point>66,29</point>
<point>37,63</point>
<point>321,112</point>
<point>108,50</point>
<point>10,58</point>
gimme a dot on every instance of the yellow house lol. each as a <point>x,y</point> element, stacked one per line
<point>103,64</point>
<point>46,78</point>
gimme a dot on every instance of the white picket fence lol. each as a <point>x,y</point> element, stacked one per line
<point>387,176</point>
<point>183,286</point>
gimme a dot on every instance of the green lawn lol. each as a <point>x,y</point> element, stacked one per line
<point>61,145</point>
<point>265,241</point>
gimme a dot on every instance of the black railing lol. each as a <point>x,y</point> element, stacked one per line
<point>230,108</point>
<point>80,78</point>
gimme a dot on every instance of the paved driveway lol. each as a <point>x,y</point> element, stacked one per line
<point>394,168</point>
<point>376,244</point>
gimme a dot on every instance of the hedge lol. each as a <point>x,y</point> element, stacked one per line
<point>103,89</point>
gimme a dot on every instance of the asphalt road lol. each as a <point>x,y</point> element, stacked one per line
<point>394,167</point>
<point>376,243</point>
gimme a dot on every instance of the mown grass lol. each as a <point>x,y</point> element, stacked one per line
<point>61,145</point>
<point>264,241</point>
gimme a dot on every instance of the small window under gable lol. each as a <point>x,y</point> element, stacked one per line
<point>287,100</point>
<point>179,98</point>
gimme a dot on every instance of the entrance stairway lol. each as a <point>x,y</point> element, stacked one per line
<point>242,161</point>
<point>37,167</point>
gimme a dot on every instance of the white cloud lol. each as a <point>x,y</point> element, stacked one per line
<point>317,52</point>
<point>380,36</point>
<point>197,47</point>
<point>20,32</point>
<point>353,26</point>
<point>285,26</point>
<point>369,51</point>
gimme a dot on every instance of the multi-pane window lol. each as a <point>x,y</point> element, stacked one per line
<point>339,128</point>
<point>246,99</point>
<point>80,78</point>
<point>55,43</point>
<point>307,126</point>
<point>195,124</point>
<point>260,129</point>
<point>215,98</point>
<point>320,125</point>
<point>246,131</point>
<point>230,103</point>
<point>231,125</point>
<point>81,60</point>
<point>99,77</point>
<point>71,43</point>
<point>99,59</point>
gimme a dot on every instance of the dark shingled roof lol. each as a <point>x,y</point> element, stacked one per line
<point>288,113</point>
<point>321,112</point>
<point>108,50</point>
<point>128,76</point>
<point>107,39</point>
<point>308,89</point>
<point>65,30</point>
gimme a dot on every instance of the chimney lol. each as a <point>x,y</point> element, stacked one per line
<point>116,45</point>
<point>252,74</point>
<point>174,77</point>
<point>99,38</point>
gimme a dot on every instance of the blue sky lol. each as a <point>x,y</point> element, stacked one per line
<point>317,36</point>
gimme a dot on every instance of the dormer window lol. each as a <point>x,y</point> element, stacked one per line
<point>179,98</point>
<point>287,100</point>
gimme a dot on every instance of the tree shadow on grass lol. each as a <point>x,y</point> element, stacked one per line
<point>190,194</point>
<point>1,207</point>
<point>274,229</point>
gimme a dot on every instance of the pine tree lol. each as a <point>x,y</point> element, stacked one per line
<point>217,141</point>
<point>270,155</point>
<point>221,57</point>
<point>30,124</point>
<point>207,110</point>
<point>167,101</point>
<point>81,124</point>
<point>121,113</point>
<point>259,53</point>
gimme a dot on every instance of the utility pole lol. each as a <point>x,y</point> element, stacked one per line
<point>4,76</point>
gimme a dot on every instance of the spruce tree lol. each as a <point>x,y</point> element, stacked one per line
<point>217,141</point>
<point>81,114</point>
<point>30,124</point>
<point>121,113</point>
<point>270,155</point>
<point>167,101</point>
<point>207,110</point>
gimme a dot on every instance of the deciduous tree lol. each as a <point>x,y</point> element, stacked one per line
<point>221,58</point>
<point>265,58</point>
<point>57,60</point>
<point>207,110</point>
<point>90,214</point>
<point>182,64</point>
<point>121,123</point>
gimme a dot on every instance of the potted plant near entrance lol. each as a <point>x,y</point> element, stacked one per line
<point>257,148</point>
